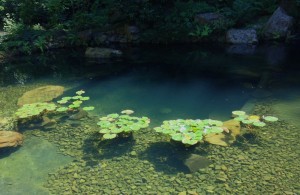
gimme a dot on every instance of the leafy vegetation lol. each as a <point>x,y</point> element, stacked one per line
<point>36,25</point>
<point>189,132</point>
<point>29,112</point>
<point>123,125</point>
<point>34,110</point>
<point>252,121</point>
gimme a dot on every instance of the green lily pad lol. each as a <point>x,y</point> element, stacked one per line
<point>109,136</point>
<point>84,98</point>
<point>238,113</point>
<point>62,109</point>
<point>88,108</point>
<point>80,92</point>
<point>259,124</point>
<point>270,118</point>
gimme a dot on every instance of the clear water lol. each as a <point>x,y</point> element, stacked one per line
<point>161,83</point>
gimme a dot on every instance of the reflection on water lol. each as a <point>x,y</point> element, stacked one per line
<point>161,83</point>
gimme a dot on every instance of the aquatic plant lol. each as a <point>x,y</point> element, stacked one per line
<point>114,125</point>
<point>252,120</point>
<point>34,109</point>
<point>73,103</point>
<point>40,109</point>
<point>189,132</point>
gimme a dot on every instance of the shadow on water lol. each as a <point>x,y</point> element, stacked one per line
<point>94,150</point>
<point>170,158</point>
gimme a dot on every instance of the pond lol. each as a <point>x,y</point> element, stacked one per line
<point>67,155</point>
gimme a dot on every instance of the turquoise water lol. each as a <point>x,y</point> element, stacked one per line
<point>163,84</point>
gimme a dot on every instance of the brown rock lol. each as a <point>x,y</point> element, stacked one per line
<point>224,139</point>
<point>10,139</point>
<point>41,94</point>
<point>234,126</point>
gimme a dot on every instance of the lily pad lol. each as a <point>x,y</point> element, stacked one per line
<point>88,108</point>
<point>109,136</point>
<point>62,109</point>
<point>238,113</point>
<point>270,118</point>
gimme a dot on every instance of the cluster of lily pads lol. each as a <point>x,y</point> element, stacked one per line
<point>189,132</point>
<point>34,109</point>
<point>74,103</point>
<point>114,125</point>
<point>252,120</point>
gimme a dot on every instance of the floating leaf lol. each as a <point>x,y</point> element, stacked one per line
<point>62,109</point>
<point>238,113</point>
<point>77,97</point>
<point>128,112</point>
<point>270,118</point>
<point>80,92</point>
<point>254,117</point>
<point>88,108</point>
<point>115,123</point>
<point>109,136</point>
<point>62,101</point>
<point>84,98</point>
<point>259,124</point>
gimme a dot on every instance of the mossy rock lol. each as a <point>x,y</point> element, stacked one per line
<point>42,94</point>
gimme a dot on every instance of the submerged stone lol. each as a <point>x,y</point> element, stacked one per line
<point>10,139</point>
<point>196,162</point>
<point>42,94</point>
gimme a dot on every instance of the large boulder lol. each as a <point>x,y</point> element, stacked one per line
<point>10,139</point>
<point>42,94</point>
<point>98,52</point>
<point>241,36</point>
<point>279,25</point>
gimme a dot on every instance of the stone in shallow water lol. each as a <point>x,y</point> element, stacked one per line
<point>42,94</point>
<point>10,139</point>
<point>224,139</point>
<point>196,162</point>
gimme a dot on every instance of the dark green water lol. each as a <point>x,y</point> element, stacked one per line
<point>162,83</point>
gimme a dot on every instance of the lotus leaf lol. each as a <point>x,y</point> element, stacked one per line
<point>84,98</point>
<point>253,120</point>
<point>238,113</point>
<point>88,108</point>
<point>270,118</point>
<point>127,112</point>
<point>75,102</point>
<point>80,92</point>
<point>109,136</point>
<point>34,109</point>
<point>259,124</point>
<point>62,109</point>
<point>189,132</point>
<point>62,101</point>
<point>114,124</point>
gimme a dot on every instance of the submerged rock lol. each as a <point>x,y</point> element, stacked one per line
<point>196,162</point>
<point>79,115</point>
<point>42,94</point>
<point>10,139</point>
